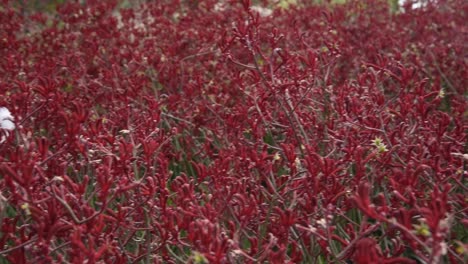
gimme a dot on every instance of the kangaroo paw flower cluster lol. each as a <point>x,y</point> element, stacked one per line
<point>233,131</point>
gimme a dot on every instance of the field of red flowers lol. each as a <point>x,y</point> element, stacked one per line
<point>236,131</point>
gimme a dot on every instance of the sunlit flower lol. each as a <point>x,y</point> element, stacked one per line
<point>6,122</point>
<point>26,209</point>
<point>379,145</point>
<point>198,258</point>
<point>276,156</point>
<point>441,93</point>
<point>422,229</point>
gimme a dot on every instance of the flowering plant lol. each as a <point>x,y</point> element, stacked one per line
<point>233,132</point>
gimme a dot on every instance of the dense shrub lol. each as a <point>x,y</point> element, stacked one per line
<point>234,132</point>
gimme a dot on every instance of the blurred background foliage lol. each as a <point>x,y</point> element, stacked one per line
<point>49,6</point>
